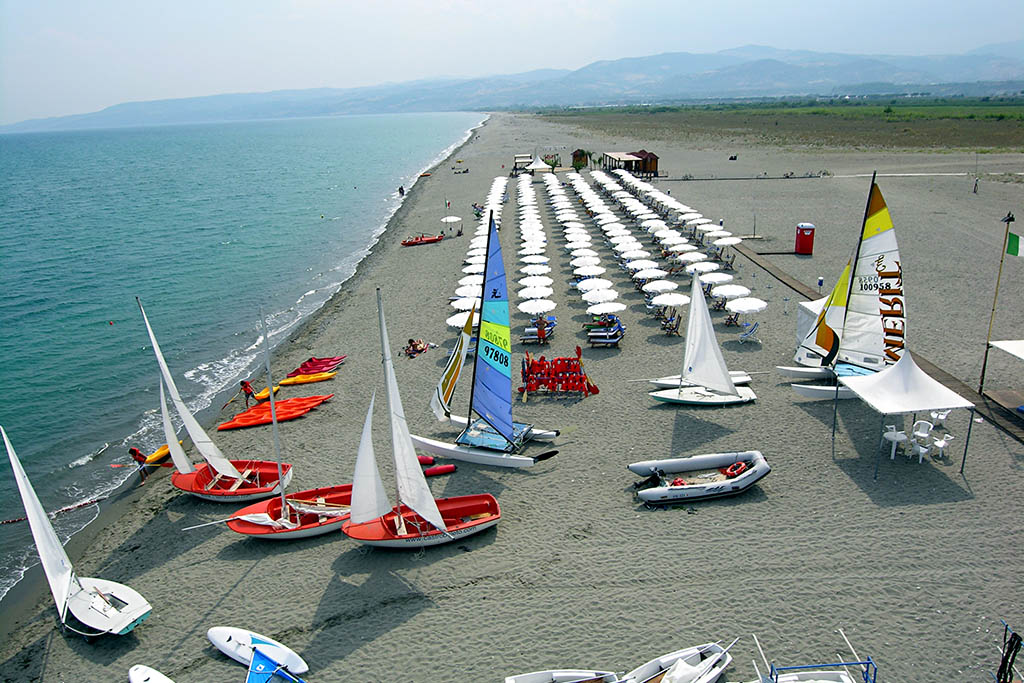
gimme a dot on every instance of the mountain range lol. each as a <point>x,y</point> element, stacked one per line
<point>669,78</point>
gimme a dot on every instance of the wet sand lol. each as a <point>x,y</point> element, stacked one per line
<point>917,566</point>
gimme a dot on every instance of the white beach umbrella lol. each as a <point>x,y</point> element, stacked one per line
<point>692,216</point>
<point>459,319</point>
<point>466,303</point>
<point>660,286</point>
<point>573,224</point>
<point>596,296</point>
<point>641,264</point>
<point>717,234</point>
<point>606,307</point>
<point>702,267</point>
<point>593,283</point>
<point>473,268</point>
<point>585,261</point>
<point>716,278</point>
<point>535,269</point>
<point>671,299</point>
<point>535,292</point>
<point>665,232</point>
<point>618,239</point>
<point>603,218</point>
<point>450,219</point>
<point>472,280</point>
<point>727,241</point>
<point>691,257</point>
<point>673,239</point>
<point>476,259</point>
<point>535,281</point>
<point>584,251</point>
<point>681,248</point>
<point>747,304</point>
<point>650,274</point>
<point>535,306</point>
<point>578,244</point>
<point>704,225</point>
<point>728,291</point>
<point>468,290</point>
<point>480,241</point>
<point>532,251</point>
<point>589,271</point>
<point>635,254</point>
<point>534,258</point>
<point>478,251</point>
<point>622,247</point>
<point>656,223</point>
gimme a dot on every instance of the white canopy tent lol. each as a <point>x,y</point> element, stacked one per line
<point>901,389</point>
<point>1014,347</point>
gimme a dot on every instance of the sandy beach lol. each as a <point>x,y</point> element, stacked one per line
<point>917,567</point>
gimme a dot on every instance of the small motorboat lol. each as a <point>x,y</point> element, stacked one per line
<point>422,239</point>
<point>700,476</point>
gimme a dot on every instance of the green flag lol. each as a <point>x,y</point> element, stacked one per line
<point>1013,245</point>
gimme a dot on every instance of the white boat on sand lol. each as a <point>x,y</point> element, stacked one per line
<point>565,676</point>
<point>239,644</point>
<point>738,377</point>
<point>712,475</point>
<point>699,664</point>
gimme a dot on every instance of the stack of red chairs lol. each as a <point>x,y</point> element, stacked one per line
<point>561,376</point>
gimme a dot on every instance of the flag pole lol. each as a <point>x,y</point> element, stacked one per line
<point>1008,218</point>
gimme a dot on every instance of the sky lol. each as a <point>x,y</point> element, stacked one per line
<point>60,57</point>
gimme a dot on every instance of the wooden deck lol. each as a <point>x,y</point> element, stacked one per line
<point>998,407</point>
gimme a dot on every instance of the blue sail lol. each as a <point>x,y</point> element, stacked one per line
<point>492,376</point>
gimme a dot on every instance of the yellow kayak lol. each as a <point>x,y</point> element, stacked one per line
<point>156,456</point>
<point>265,394</point>
<point>309,379</point>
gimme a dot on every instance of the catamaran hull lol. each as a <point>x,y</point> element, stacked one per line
<point>143,674</point>
<point>202,483</point>
<point>823,391</point>
<point>310,524</point>
<point>463,515</point>
<point>757,469</point>
<point>480,456</point>
<point>803,372</point>
<point>533,433</point>
<point>672,381</point>
<point>701,396</point>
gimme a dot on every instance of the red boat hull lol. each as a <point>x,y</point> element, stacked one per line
<point>422,239</point>
<point>262,481</point>
<point>463,515</point>
<point>309,524</point>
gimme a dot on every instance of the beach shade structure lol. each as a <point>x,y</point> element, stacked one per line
<point>692,216</point>
<point>702,267</point>
<point>480,241</point>
<point>650,274</point>
<point>727,291</point>
<point>641,264</point>
<point>567,217</point>
<point>535,281</point>
<point>534,250</point>
<point>671,299</point>
<point>706,228</point>
<point>656,223</point>
<point>674,239</point>
<point>603,218</point>
<point>747,304</point>
<point>596,296</point>
<point>606,307</point>
<point>534,258</point>
<point>535,292</point>
<point>681,248</point>
<point>535,269</point>
<point>479,251</point>
<point>716,278</point>
<point>634,254</point>
<point>585,261</point>
<point>459,319</point>
<point>473,268</point>
<point>468,290</point>
<point>575,234</point>
<point>622,247</point>
<point>593,283</point>
<point>717,234</point>
<point>585,251</point>
<point>690,257</point>
<point>727,241</point>
<point>665,232</point>
<point>579,244</point>
<point>589,271</point>
<point>475,259</point>
<point>472,280</point>
<point>573,224</point>
<point>536,306</point>
<point>619,239</point>
<point>659,286</point>
<point>466,303</point>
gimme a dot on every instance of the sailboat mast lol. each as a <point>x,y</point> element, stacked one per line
<point>273,414</point>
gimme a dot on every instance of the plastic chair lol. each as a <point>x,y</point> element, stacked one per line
<point>939,418</point>
<point>895,437</point>
<point>940,445</point>
<point>750,334</point>
<point>920,433</point>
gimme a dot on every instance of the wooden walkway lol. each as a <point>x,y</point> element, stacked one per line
<point>998,407</point>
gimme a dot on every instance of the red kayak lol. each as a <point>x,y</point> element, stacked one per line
<point>288,409</point>
<point>422,239</point>
<point>310,367</point>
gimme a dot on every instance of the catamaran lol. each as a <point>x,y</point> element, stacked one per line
<point>418,520</point>
<point>705,380</point>
<point>98,605</point>
<point>493,438</point>
<point>218,479</point>
<point>862,325</point>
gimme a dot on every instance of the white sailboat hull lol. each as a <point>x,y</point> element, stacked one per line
<point>672,381</point>
<point>697,657</point>
<point>237,643</point>
<point>822,391</point>
<point>143,674</point>
<point>480,456</point>
<point>700,486</point>
<point>96,606</point>
<point>703,396</point>
<point>564,676</point>
<point>534,433</point>
<point>803,372</point>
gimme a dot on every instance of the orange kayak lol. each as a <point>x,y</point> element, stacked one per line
<point>310,378</point>
<point>288,409</point>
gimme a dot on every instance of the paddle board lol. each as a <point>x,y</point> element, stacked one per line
<point>143,674</point>
<point>238,643</point>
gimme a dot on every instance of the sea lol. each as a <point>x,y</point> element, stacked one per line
<point>207,225</point>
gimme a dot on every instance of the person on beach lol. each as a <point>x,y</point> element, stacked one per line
<point>139,457</point>
<point>249,392</point>
<point>401,191</point>
<point>415,347</point>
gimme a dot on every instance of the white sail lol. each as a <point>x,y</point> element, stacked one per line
<point>820,345</point>
<point>199,437</point>
<point>440,402</point>
<point>703,364</point>
<point>369,500</point>
<point>412,485</point>
<point>181,461</point>
<point>59,572</point>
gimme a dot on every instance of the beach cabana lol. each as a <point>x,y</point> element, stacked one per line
<point>903,389</point>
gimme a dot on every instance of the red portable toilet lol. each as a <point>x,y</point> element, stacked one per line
<point>804,238</point>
